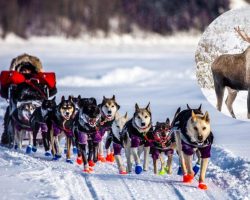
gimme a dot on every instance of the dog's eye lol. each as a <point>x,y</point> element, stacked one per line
<point>204,128</point>
<point>138,117</point>
<point>146,117</point>
<point>195,128</point>
<point>117,126</point>
<point>112,106</point>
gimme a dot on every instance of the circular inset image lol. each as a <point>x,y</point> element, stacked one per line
<point>223,63</point>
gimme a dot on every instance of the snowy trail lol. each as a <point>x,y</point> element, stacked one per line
<point>41,178</point>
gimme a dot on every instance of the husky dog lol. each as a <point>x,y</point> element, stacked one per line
<point>86,131</point>
<point>62,125</point>
<point>39,122</point>
<point>115,137</point>
<point>20,122</point>
<point>134,137</point>
<point>192,131</point>
<point>163,142</point>
<point>109,110</point>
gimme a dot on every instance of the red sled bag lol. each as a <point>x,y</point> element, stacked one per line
<point>47,78</point>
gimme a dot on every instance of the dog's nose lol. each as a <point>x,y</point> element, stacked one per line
<point>67,113</point>
<point>143,124</point>
<point>109,112</point>
<point>200,137</point>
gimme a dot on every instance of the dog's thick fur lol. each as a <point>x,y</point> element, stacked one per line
<point>19,123</point>
<point>62,125</point>
<point>109,110</point>
<point>134,139</point>
<point>40,121</point>
<point>191,127</point>
<point>163,142</point>
<point>86,130</point>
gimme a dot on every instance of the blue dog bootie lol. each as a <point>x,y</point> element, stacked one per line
<point>57,157</point>
<point>138,169</point>
<point>16,147</point>
<point>28,149</point>
<point>179,172</point>
<point>69,161</point>
<point>47,153</point>
<point>65,151</point>
<point>34,149</point>
<point>75,150</point>
<point>196,168</point>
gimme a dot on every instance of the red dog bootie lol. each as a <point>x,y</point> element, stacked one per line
<point>202,186</point>
<point>88,170</point>
<point>79,160</point>
<point>188,178</point>
<point>110,157</point>
<point>101,158</point>
<point>91,163</point>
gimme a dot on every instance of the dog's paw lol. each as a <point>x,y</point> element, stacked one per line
<point>196,168</point>
<point>138,169</point>
<point>162,172</point>
<point>69,161</point>
<point>28,149</point>
<point>16,147</point>
<point>79,160</point>
<point>47,153</point>
<point>179,172</point>
<point>65,150</point>
<point>58,156</point>
<point>202,186</point>
<point>34,149</point>
<point>91,163</point>
<point>188,178</point>
<point>74,150</point>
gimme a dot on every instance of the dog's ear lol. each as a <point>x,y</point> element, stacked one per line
<point>63,98</point>
<point>206,117</point>
<point>157,124</point>
<point>54,99</point>
<point>118,106</point>
<point>167,121</point>
<point>70,98</point>
<point>113,97</point>
<point>126,116</point>
<point>93,100</point>
<point>79,97</point>
<point>200,107</point>
<point>104,98</point>
<point>194,117</point>
<point>148,107</point>
<point>188,107</point>
<point>136,107</point>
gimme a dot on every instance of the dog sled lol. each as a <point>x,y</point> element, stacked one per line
<point>24,82</point>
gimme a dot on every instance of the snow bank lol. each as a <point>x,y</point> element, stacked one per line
<point>125,76</point>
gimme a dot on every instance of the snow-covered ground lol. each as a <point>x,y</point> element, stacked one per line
<point>160,72</point>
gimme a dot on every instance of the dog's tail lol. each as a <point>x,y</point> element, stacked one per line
<point>175,115</point>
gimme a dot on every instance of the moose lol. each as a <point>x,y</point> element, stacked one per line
<point>232,71</point>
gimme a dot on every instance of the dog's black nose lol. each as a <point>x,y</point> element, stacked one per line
<point>143,124</point>
<point>200,137</point>
<point>109,112</point>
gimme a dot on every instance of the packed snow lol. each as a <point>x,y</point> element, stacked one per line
<point>162,73</point>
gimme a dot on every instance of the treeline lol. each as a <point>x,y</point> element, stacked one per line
<point>72,18</point>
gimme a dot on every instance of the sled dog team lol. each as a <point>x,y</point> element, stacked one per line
<point>91,128</point>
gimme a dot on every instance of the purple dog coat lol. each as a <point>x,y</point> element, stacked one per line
<point>156,152</point>
<point>189,150</point>
<point>138,141</point>
<point>117,149</point>
<point>82,137</point>
<point>43,127</point>
<point>57,130</point>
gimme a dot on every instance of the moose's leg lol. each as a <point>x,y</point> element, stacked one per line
<point>219,91</point>
<point>248,104</point>
<point>230,99</point>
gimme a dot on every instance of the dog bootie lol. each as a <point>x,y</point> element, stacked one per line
<point>91,163</point>
<point>202,186</point>
<point>179,172</point>
<point>123,172</point>
<point>65,150</point>
<point>47,153</point>
<point>162,172</point>
<point>28,149</point>
<point>79,160</point>
<point>101,158</point>
<point>138,169</point>
<point>196,168</point>
<point>34,149</point>
<point>58,156</point>
<point>16,147</point>
<point>110,157</point>
<point>188,178</point>
<point>69,161</point>
<point>74,150</point>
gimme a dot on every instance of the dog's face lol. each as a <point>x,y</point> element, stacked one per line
<point>89,111</point>
<point>162,129</point>
<point>66,108</point>
<point>118,124</point>
<point>49,105</point>
<point>109,107</point>
<point>198,127</point>
<point>142,116</point>
<point>76,101</point>
<point>26,110</point>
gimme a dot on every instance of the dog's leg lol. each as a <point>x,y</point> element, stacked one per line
<point>204,164</point>
<point>230,99</point>
<point>134,151</point>
<point>169,163</point>
<point>155,166</point>
<point>69,141</point>
<point>95,152</point>
<point>146,158</point>
<point>129,159</point>
<point>35,129</point>
<point>248,104</point>
<point>179,150</point>
<point>52,143</point>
